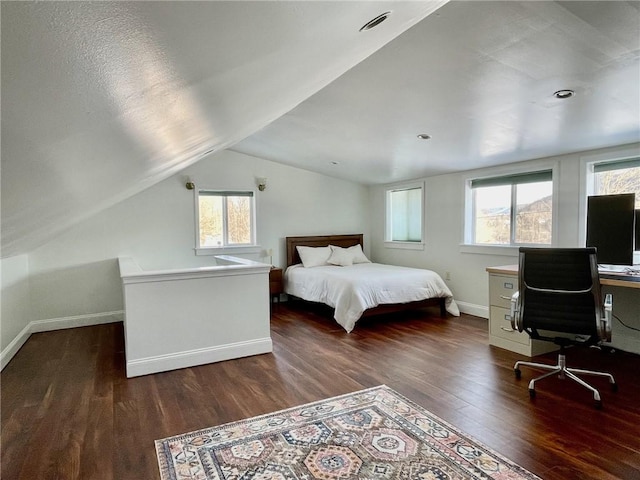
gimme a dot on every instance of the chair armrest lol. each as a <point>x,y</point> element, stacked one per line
<point>515,313</point>
<point>604,329</point>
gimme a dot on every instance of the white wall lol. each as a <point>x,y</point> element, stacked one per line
<point>77,273</point>
<point>15,314</point>
<point>444,217</point>
<point>444,223</point>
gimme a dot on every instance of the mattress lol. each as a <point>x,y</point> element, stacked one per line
<point>351,290</point>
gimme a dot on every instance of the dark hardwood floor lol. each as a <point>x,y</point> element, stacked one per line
<point>69,412</point>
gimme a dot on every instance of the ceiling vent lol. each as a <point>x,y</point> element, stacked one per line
<point>375,22</point>
<point>564,94</point>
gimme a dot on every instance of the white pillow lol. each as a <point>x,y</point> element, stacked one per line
<point>340,256</point>
<point>313,256</point>
<point>347,256</point>
<point>358,255</point>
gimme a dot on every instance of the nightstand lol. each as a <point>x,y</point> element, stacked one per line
<point>275,283</point>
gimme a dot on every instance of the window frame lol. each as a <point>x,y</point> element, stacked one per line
<point>587,181</point>
<point>253,247</point>
<point>388,229</point>
<point>468,228</point>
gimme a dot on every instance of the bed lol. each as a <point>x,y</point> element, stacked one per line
<point>360,288</point>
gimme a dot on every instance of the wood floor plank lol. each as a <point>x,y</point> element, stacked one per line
<point>68,410</point>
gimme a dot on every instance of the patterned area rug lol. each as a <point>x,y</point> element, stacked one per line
<point>370,434</point>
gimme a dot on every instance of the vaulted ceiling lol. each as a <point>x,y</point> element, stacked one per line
<point>100,100</point>
<point>478,77</point>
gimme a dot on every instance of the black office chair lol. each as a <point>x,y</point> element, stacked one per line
<point>559,294</point>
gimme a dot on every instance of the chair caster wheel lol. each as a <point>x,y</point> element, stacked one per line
<point>532,393</point>
<point>517,372</point>
<point>598,405</point>
<point>614,387</point>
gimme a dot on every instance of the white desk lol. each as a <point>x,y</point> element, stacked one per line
<point>503,282</point>
<point>613,279</point>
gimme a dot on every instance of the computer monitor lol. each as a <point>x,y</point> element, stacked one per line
<point>610,227</point>
<point>638,230</point>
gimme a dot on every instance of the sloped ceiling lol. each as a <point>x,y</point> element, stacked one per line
<point>103,99</point>
<point>479,78</point>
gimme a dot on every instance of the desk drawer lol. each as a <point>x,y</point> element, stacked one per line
<point>501,287</point>
<point>500,326</point>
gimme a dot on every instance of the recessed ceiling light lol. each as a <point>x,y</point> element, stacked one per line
<point>424,136</point>
<point>375,22</point>
<point>563,94</point>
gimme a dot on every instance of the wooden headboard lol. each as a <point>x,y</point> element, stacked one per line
<point>319,241</point>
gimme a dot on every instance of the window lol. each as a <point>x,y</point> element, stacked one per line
<point>512,209</point>
<point>225,219</point>
<point>404,215</point>
<point>621,176</point>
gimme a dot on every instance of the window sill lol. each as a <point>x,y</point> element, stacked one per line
<point>502,250</point>
<point>405,245</point>
<point>245,249</point>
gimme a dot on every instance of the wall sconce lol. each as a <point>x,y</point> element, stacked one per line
<point>262,183</point>
<point>189,183</point>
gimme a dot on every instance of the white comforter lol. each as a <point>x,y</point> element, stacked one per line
<point>352,290</point>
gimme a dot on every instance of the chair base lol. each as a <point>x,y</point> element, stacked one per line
<point>563,371</point>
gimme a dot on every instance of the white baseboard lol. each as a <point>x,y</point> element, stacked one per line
<point>201,356</point>
<point>76,321</point>
<point>473,309</point>
<point>15,345</point>
<point>50,324</point>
